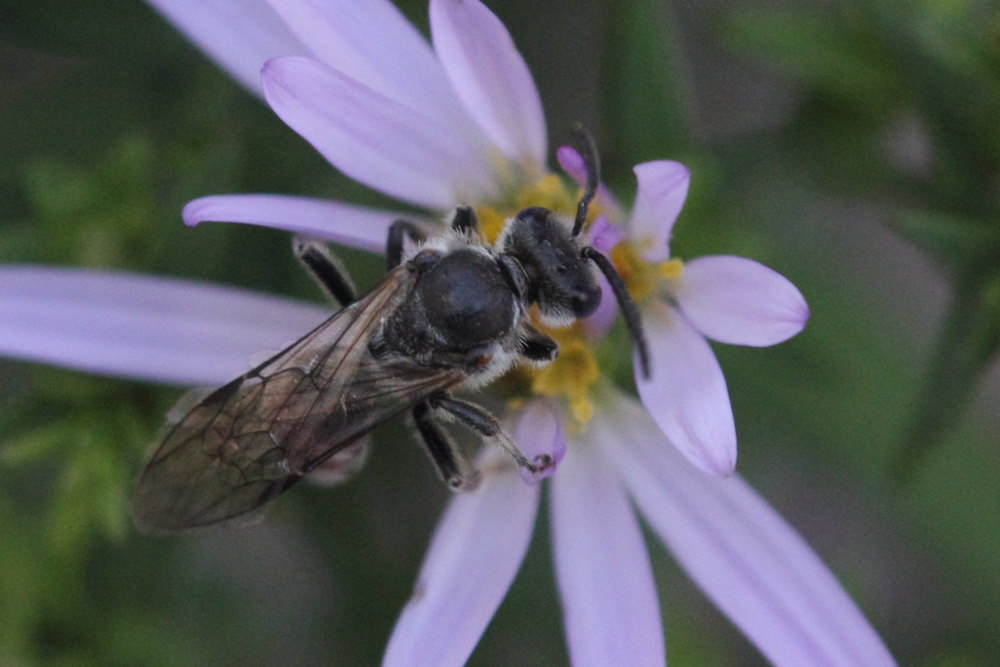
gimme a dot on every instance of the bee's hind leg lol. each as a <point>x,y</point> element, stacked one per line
<point>486,425</point>
<point>326,269</point>
<point>446,457</point>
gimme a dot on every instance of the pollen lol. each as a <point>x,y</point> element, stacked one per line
<point>634,271</point>
<point>549,192</point>
<point>491,221</point>
<point>642,278</point>
<point>571,376</point>
<point>670,269</point>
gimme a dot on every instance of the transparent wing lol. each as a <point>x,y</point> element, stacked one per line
<point>251,439</point>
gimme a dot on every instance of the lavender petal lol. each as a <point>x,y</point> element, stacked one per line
<point>476,551</point>
<point>347,224</point>
<point>663,187</point>
<point>141,327</point>
<point>736,300</point>
<point>610,607</point>
<point>239,35</point>
<point>686,392</point>
<point>386,145</point>
<point>744,556</point>
<point>490,77</point>
<point>373,43</point>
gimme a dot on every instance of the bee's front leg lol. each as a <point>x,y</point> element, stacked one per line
<point>326,269</point>
<point>398,232</point>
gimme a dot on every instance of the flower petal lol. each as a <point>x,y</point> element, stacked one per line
<point>157,329</point>
<point>610,608</point>
<point>477,549</point>
<point>354,226</point>
<point>686,392</point>
<point>373,43</point>
<point>490,77</point>
<point>239,35</point>
<point>663,187</point>
<point>539,433</point>
<point>736,300</point>
<point>386,145</point>
<point>744,556</point>
<point>603,235</point>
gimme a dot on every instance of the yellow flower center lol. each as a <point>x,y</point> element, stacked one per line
<point>549,192</point>
<point>642,278</point>
<point>491,221</point>
<point>572,375</point>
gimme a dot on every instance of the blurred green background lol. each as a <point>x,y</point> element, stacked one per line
<point>853,146</point>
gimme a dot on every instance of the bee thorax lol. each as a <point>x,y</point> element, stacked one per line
<point>461,308</point>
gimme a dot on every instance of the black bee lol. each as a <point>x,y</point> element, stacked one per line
<point>452,312</point>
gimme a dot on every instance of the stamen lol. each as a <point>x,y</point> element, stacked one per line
<point>670,269</point>
<point>582,409</point>
<point>640,276</point>
<point>571,375</point>
<point>548,192</point>
<point>634,271</point>
<point>491,222</point>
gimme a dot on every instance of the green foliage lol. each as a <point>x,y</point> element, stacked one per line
<point>97,219</point>
<point>938,63</point>
<point>644,102</point>
<point>830,49</point>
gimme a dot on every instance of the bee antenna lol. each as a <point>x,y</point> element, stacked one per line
<point>633,321</point>
<point>588,152</point>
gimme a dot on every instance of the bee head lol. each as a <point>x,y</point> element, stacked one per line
<point>560,279</point>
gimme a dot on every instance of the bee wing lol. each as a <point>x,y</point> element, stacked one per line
<point>249,440</point>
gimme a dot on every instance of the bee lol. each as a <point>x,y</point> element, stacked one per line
<point>452,312</point>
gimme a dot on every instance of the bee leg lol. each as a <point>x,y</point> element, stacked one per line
<point>464,220</point>
<point>537,347</point>
<point>398,231</point>
<point>326,269</point>
<point>450,464</point>
<point>481,421</point>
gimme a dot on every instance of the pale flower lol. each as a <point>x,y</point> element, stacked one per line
<point>462,123</point>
